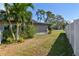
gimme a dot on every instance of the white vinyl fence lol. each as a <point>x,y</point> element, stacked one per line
<point>72,31</point>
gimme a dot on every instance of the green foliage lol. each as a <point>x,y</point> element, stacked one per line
<point>23,34</point>
<point>7,36</point>
<point>61,47</point>
<point>9,40</point>
<point>30,31</point>
<point>6,32</point>
<point>27,31</point>
<point>40,14</point>
<point>19,13</point>
<point>20,40</point>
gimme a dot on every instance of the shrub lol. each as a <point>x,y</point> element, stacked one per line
<point>9,40</point>
<point>24,35</point>
<point>7,35</point>
<point>30,31</point>
<point>6,32</point>
<point>20,40</point>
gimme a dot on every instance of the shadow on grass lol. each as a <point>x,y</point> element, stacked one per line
<point>61,47</point>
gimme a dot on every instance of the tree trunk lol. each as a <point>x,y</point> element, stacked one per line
<point>17,31</point>
<point>13,35</point>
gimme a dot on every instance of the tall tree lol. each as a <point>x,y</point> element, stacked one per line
<point>19,14</point>
<point>22,15</point>
<point>50,16</point>
<point>40,14</point>
<point>60,22</point>
<point>8,17</point>
<point>50,19</point>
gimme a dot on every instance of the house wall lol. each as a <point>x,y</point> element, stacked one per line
<point>41,28</point>
<point>72,32</point>
<point>1,34</point>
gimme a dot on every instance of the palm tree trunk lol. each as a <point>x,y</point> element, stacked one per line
<point>13,35</point>
<point>17,31</point>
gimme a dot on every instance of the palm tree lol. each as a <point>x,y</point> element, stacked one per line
<point>22,15</point>
<point>8,17</point>
<point>40,14</point>
<point>50,16</point>
<point>60,21</point>
<point>19,14</point>
<point>50,19</point>
<point>37,14</point>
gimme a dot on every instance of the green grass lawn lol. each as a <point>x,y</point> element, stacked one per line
<point>61,47</point>
<point>41,45</point>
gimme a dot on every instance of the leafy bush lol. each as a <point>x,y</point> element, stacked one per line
<point>7,36</point>
<point>20,40</point>
<point>23,34</point>
<point>27,31</point>
<point>30,31</point>
<point>6,32</point>
<point>9,40</point>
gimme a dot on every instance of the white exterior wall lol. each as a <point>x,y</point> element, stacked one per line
<point>76,34</point>
<point>72,31</point>
<point>1,34</point>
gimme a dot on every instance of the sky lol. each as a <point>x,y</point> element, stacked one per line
<point>68,11</point>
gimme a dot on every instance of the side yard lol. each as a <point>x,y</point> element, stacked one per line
<point>61,47</point>
<point>40,45</point>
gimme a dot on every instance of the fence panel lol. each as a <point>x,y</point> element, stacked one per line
<point>72,31</point>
